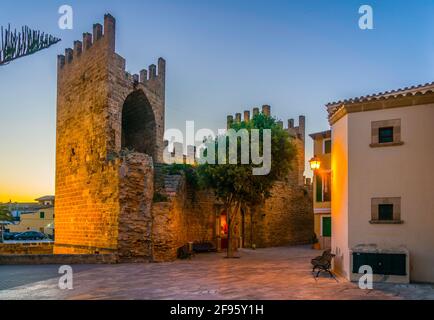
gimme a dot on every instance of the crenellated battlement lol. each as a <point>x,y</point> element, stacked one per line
<point>99,35</point>
<point>296,132</point>
<point>150,74</point>
<point>100,44</point>
<point>153,78</point>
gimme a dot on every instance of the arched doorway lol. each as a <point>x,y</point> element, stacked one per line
<point>138,124</point>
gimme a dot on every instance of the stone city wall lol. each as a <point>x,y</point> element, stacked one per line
<point>61,259</point>
<point>26,248</point>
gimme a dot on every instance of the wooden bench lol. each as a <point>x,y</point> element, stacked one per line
<point>323,263</point>
<point>204,246</point>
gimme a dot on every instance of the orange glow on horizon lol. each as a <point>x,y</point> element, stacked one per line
<point>20,193</point>
<point>26,172</point>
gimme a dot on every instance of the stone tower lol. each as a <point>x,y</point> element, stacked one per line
<point>299,133</point>
<point>110,127</point>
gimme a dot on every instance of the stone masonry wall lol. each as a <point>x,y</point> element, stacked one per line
<point>186,217</point>
<point>87,191</point>
<point>148,92</point>
<point>200,213</point>
<point>92,209</point>
<point>135,219</point>
<point>169,224</point>
<point>285,219</point>
<point>60,259</point>
<point>26,248</point>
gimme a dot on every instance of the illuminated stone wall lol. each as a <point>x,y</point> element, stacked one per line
<point>26,248</point>
<point>94,201</point>
<point>285,219</point>
<point>187,216</point>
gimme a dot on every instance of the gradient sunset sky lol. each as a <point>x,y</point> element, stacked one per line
<point>222,57</point>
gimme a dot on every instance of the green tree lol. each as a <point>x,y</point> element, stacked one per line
<point>234,184</point>
<point>5,215</point>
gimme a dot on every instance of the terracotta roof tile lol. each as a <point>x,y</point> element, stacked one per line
<point>421,89</point>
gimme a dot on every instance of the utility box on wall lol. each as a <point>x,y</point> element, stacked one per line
<point>388,265</point>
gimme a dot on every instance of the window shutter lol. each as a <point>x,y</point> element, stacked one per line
<point>326,226</point>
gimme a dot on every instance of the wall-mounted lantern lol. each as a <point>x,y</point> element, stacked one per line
<point>315,163</point>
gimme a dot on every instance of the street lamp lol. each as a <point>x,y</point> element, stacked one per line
<point>315,163</point>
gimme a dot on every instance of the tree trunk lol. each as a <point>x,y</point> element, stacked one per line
<point>230,252</point>
<point>252,211</point>
<point>230,216</point>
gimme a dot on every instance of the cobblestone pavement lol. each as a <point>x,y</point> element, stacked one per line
<point>24,275</point>
<point>273,273</point>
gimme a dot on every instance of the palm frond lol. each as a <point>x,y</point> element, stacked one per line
<point>15,44</point>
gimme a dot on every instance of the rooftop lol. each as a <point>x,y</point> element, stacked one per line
<point>45,198</point>
<point>322,134</point>
<point>383,100</point>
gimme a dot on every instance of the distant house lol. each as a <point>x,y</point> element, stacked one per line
<point>40,218</point>
<point>46,201</point>
<point>18,208</point>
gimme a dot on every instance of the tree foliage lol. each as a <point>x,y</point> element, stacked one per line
<point>5,214</point>
<point>234,184</point>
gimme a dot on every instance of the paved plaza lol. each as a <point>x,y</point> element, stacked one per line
<point>273,273</point>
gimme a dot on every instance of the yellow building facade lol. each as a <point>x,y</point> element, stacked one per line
<point>322,188</point>
<point>41,220</point>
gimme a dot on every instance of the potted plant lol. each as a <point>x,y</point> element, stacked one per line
<point>315,243</point>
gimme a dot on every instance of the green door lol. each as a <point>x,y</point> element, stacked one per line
<point>326,226</point>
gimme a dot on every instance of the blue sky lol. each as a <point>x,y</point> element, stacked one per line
<point>222,57</point>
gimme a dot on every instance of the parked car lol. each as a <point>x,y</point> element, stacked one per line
<point>9,235</point>
<point>30,235</point>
